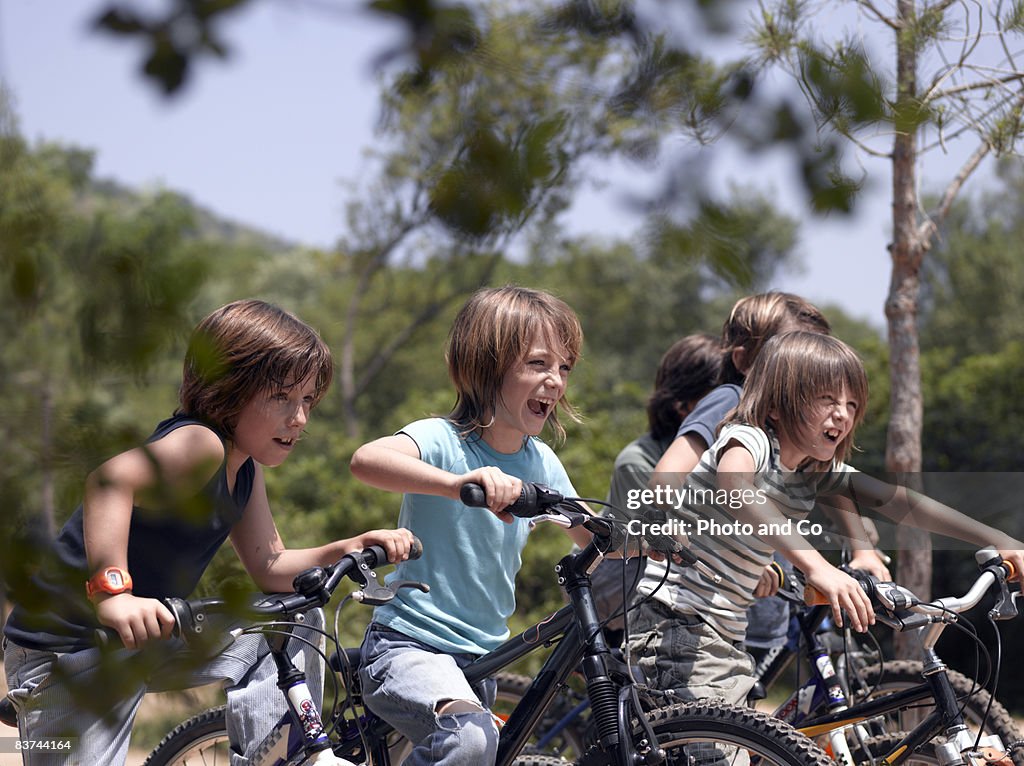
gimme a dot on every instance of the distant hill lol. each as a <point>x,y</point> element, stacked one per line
<point>210,224</point>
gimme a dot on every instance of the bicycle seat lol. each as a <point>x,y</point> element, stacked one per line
<point>8,715</point>
<point>351,662</point>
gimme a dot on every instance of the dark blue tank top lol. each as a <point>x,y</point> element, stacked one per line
<point>168,551</point>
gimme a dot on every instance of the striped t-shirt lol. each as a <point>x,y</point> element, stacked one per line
<point>738,558</point>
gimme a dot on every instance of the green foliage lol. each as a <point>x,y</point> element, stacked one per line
<point>186,31</point>
<point>974,420</point>
<point>974,279</point>
<point>483,152</point>
<point>492,184</point>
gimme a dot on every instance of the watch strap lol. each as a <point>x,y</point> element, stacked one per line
<point>112,580</point>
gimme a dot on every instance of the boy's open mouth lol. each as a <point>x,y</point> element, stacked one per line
<point>540,407</point>
<point>832,435</point>
<point>285,442</point>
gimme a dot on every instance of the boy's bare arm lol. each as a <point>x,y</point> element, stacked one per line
<point>843,512</point>
<point>273,566</point>
<point>393,463</point>
<point>681,457</point>
<point>906,506</point>
<point>736,474</point>
<point>180,463</point>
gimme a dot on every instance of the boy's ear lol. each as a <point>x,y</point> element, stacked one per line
<point>739,359</point>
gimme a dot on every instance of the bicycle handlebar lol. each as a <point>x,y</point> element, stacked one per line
<point>906,611</point>
<point>538,501</point>
<point>534,499</point>
<point>312,588</point>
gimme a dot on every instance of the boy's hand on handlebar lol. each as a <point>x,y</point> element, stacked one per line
<point>136,619</point>
<point>396,542</point>
<point>501,489</point>
<point>769,583</point>
<point>1015,558</point>
<point>868,561</point>
<point>844,594</point>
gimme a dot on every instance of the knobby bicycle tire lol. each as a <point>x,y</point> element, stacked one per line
<point>685,730</point>
<point>901,674</point>
<point>708,732</point>
<point>202,740</point>
<point>538,759</point>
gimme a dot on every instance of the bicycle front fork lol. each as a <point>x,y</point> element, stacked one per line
<point>301,730</point>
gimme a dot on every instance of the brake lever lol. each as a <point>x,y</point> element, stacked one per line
<point>371,592</point>
<point>377,595</point>
<point>1005,607</point>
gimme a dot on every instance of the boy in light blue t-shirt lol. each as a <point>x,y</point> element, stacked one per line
<point>509,355</point>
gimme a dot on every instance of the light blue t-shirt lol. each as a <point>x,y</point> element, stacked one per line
<point>470,558</point>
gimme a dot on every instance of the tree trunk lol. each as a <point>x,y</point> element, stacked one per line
<point>903,441</point>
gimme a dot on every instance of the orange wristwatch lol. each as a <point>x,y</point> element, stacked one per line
<point>112,580</point>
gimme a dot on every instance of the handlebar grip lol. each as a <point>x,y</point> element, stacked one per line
<point>526,506</point>
<point>813,596</point>
<point>989,557</point>
<point>533,498</point>
<point>187,623</point>
<point>473,495</point>
<point>376,556</point>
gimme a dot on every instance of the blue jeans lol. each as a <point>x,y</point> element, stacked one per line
<point>39,687</point>
<point>408,683</point>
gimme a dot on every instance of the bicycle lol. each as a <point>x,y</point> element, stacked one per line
<point>848,684</point>
<point>632,727</point>
<point>942,736</point>
<point>863,675</point>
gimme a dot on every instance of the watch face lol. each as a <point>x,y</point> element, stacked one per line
<point>115,580</point>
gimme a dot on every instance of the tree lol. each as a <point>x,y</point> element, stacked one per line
<point>973,281</point>
<point>485,148</point>
<point>490,121</point>
<point>953,79</point>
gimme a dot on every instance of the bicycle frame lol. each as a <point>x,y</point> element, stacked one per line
<point>591,654</point>
<point>629,731</point>
<point>824,689</point>
<point>566,628</point>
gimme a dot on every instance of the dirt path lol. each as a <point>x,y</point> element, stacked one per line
<point>154,706</point>
<point>8,734</point>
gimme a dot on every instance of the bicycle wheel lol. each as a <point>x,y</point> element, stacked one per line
<point>554,735</point>
<point>200,741</point>
<point>707,733</point>
<point>901,674</point>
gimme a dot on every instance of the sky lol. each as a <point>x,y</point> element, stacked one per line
<point>273,136</point>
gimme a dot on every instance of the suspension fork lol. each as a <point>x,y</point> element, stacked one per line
<point>303,710</point>
<point>612,703</point>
